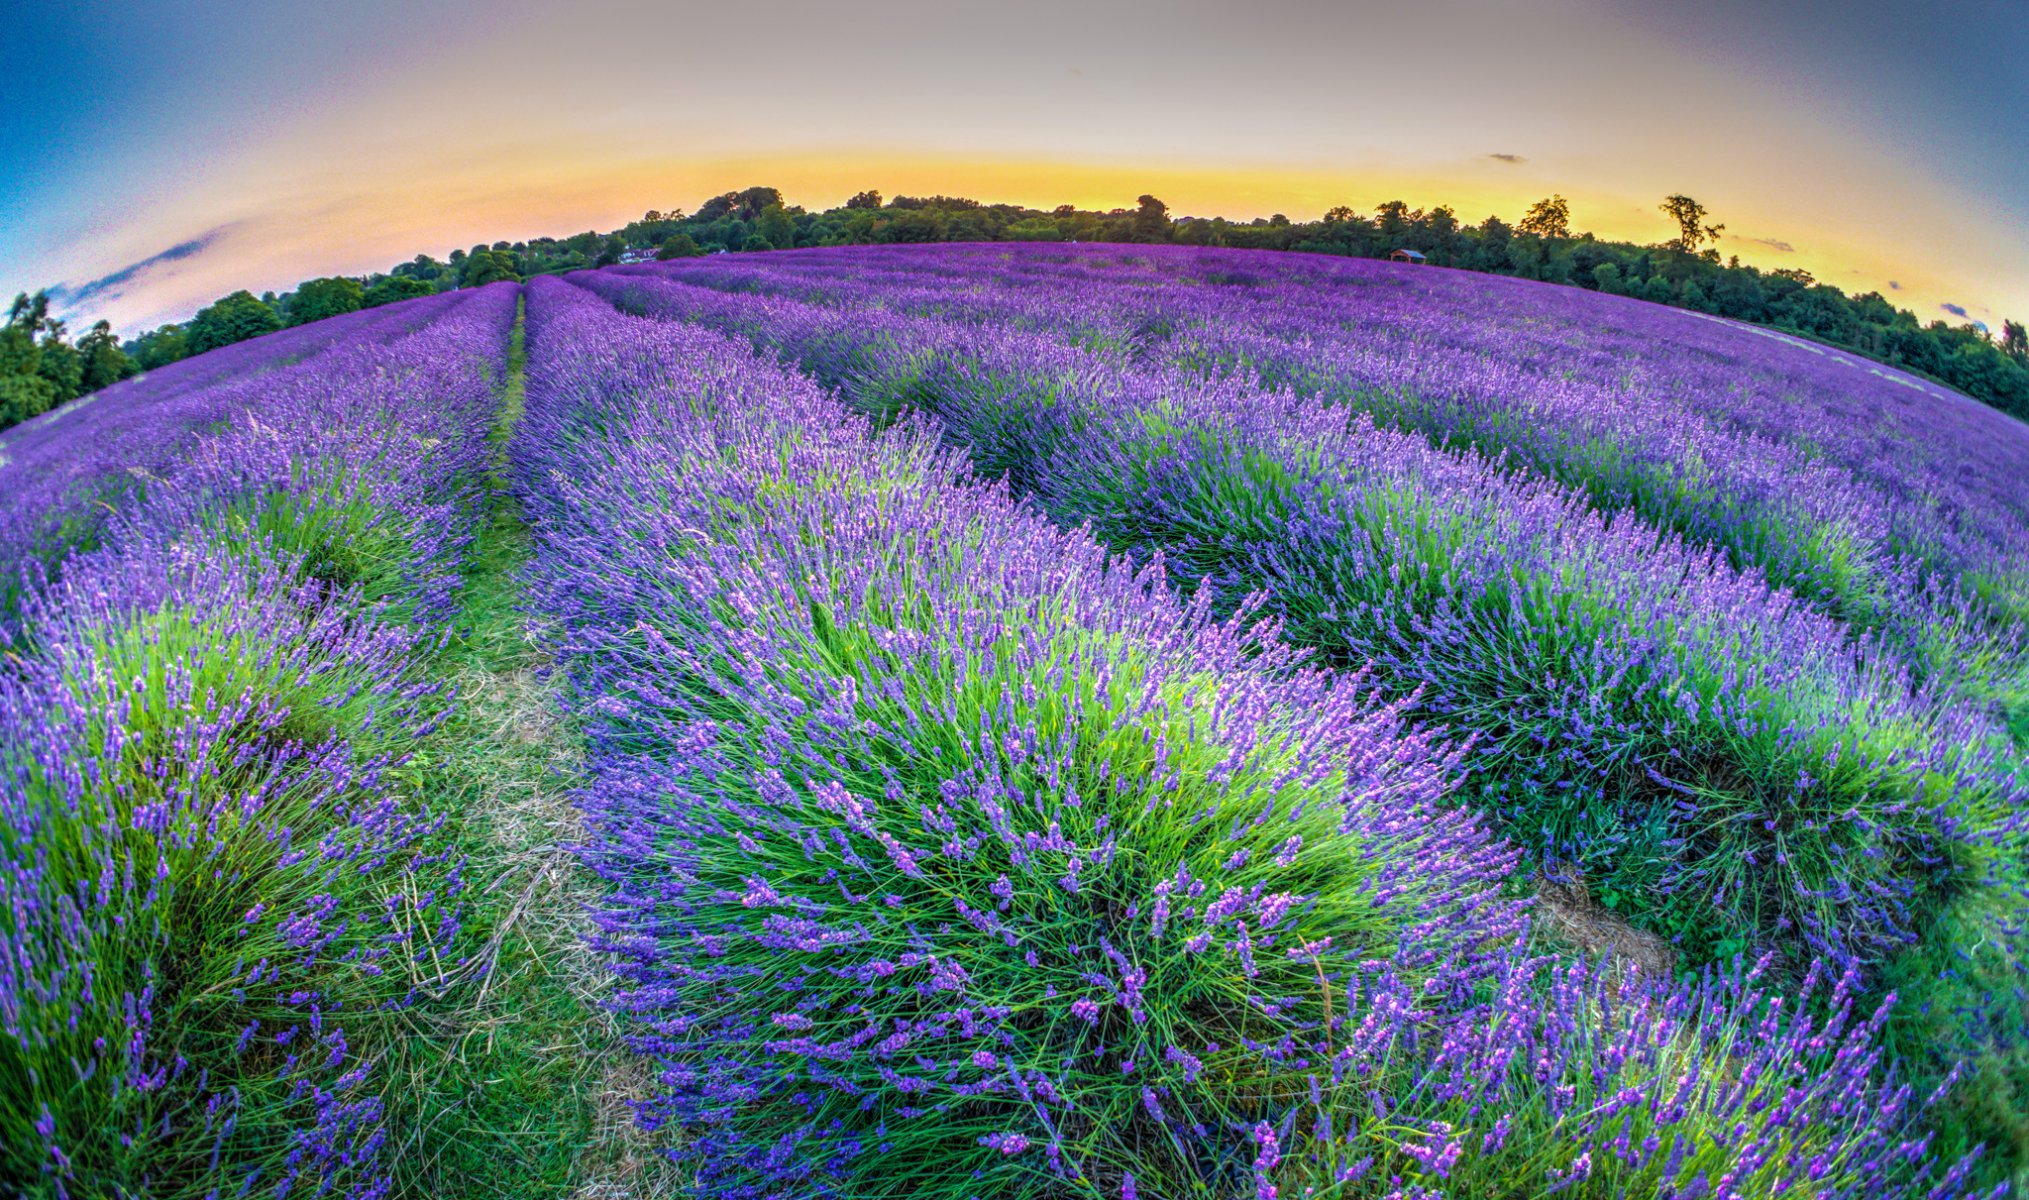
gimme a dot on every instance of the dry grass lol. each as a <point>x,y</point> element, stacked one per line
<point>520,1081</point>
<point>1570,914</point>
<point>536,825</point>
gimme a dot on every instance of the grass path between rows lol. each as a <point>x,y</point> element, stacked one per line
<point>520,1089</point>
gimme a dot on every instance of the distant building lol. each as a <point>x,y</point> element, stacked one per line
<point>1408,256</point>
<point>637,254</point>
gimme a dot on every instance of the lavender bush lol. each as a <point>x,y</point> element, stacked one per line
<point>1883,499</point>
<point>1715,754</point>
<point>219,899</point>
<point>949,856</point>
<point>66,471</point>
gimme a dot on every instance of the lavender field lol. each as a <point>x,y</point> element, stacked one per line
<point>992,720</point>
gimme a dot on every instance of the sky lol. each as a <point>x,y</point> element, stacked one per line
<point>154,156</point>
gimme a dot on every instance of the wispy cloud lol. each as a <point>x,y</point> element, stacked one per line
<point>1775,244</point>
<point>1508,158</point>
<point>114,285</point>
<point>1957,310</point>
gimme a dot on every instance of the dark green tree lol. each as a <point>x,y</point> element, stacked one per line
<point>1692,232</point>
<point>1151,220</point>
<point>866,199</point>
<point>105,363</point>
<point>160,347</point>
<point>24,393</point>
<point>2015,341</point>
<point>1547,219</point>
<point>396,287</point>
<point>61,364</point>
<point>490,266</point>
<point>229,319</point>
<point>775,228</point>
<point>678,245</point>
<point>321,298</point>
<point>744,206</point>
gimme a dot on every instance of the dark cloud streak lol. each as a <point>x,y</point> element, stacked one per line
<point>113,286</point>
<point>1508,158</point>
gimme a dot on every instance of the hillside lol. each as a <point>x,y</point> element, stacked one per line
<point>1016,719</point>
<point>41,368</point>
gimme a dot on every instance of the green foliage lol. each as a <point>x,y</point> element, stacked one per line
<point>489,266</point>
<point>321,298</point>
<point>160,347</point>
<point>61,365</point>
<point>1548,219</point>
<point>24,392</point>
<point>1151,220</point>
<point>2015,341</point>
<point>233,318</point>
<point>36,375</point>
<point>396,287</point>
<point>1689,215</point>
<point>677,245</point>
<point>104,362</point>
<point>1035,229</point>
<point>775,229</point>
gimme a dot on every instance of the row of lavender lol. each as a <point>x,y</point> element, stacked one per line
<point>1889,502</point>
<point>220,899</point>
<point>1727,766</point>
<point>1703,744</point>
<point>950,856</point>
<point>64,471</point>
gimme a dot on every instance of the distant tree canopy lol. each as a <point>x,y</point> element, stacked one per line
<point>229,319</point>
<point>1151,220</point>
<point>1548,219</point>
<point>159,347</point>
<point>1692,231</point>
<point>321,298</point>
<point>396,287</point>
<point>104,363</point>
<point>39,367</point>
<point>678,245</point>
<point>486,266</point>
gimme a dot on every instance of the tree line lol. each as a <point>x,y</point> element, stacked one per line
<point>41,368</point>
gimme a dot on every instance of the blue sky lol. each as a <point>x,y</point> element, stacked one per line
<point>172,152</point>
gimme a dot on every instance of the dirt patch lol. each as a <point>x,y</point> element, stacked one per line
<point>1570,914</point>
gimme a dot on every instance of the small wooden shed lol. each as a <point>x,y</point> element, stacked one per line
<point>1408,256</point>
